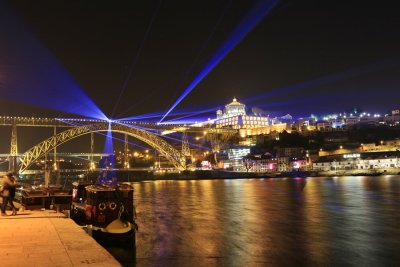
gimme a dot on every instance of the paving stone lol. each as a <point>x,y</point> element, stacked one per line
<point>37,238</point>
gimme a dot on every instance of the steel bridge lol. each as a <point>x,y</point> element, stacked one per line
<point>149,133</point>
<point>66,154</point>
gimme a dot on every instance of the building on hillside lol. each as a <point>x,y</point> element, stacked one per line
<point>393,118</point>
<point>265,130</point>
<point>382,146</point>
<point>287,119</point>
<point>234,116</point>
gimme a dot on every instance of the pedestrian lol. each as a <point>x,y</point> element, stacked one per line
<point>8,193</point>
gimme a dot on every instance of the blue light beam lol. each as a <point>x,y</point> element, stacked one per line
<point>255,15</point>
<point>108,164</point>
<point>30,74</point>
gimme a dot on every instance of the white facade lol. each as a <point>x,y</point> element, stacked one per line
<point>238,153</point>
<point>357,163</point>
<point>234,116</point>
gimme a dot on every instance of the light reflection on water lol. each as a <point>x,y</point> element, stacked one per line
<point>337,221</point>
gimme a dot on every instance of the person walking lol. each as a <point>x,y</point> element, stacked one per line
<point>8,193</point>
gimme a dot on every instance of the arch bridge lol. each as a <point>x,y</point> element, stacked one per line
<point>159,144</point>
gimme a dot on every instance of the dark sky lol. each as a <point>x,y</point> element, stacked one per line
<point>298,41</point>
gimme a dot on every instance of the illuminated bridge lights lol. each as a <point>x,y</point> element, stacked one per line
<point>173,155</point>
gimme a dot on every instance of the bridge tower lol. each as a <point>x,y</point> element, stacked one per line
<point>185,145</point>
<point>91,160</point>
<point>186,149</point>
<point>126,151</point>
<point>47,170</point>
<point>56,167</point>
<point>13,159</point>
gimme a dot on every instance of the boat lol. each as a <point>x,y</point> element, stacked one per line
<point>106,210</point>
<point>36,197</point>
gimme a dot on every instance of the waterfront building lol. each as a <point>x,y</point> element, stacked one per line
<point>291,158</point>
<point>282,163</point>
<point>235,156</point>
<point>261,163</point>
<point>359,161</point>
<point>299,164</point>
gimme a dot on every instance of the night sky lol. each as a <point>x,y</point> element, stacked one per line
<point>137,57</point>
<point>168,43</point>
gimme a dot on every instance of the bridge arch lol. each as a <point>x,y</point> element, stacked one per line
<point>159,144</point>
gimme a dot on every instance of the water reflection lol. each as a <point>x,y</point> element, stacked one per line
<point>337,221</point>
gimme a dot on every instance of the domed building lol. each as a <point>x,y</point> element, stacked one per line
<point>235,108</point>
<point>234,116</point>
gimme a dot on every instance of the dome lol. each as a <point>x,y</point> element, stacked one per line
<point>235,108</point>
<point>235,103</point>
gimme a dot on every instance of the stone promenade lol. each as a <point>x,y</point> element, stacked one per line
<point>47,238</point>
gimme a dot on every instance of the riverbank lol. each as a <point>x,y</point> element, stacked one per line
<point>47,238</point>
<point>135,176</point>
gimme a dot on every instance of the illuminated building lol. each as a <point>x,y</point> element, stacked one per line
<point>235,156</point>
<point>238,153</point>
<point>234,116</point>
<point>232,109</point>
<point>279,127</point>
<point>359,161</point>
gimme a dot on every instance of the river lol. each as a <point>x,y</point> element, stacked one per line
<point>339,221</point>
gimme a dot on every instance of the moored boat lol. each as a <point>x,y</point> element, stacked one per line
<point>107,210</point>
<point>36,197</point>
